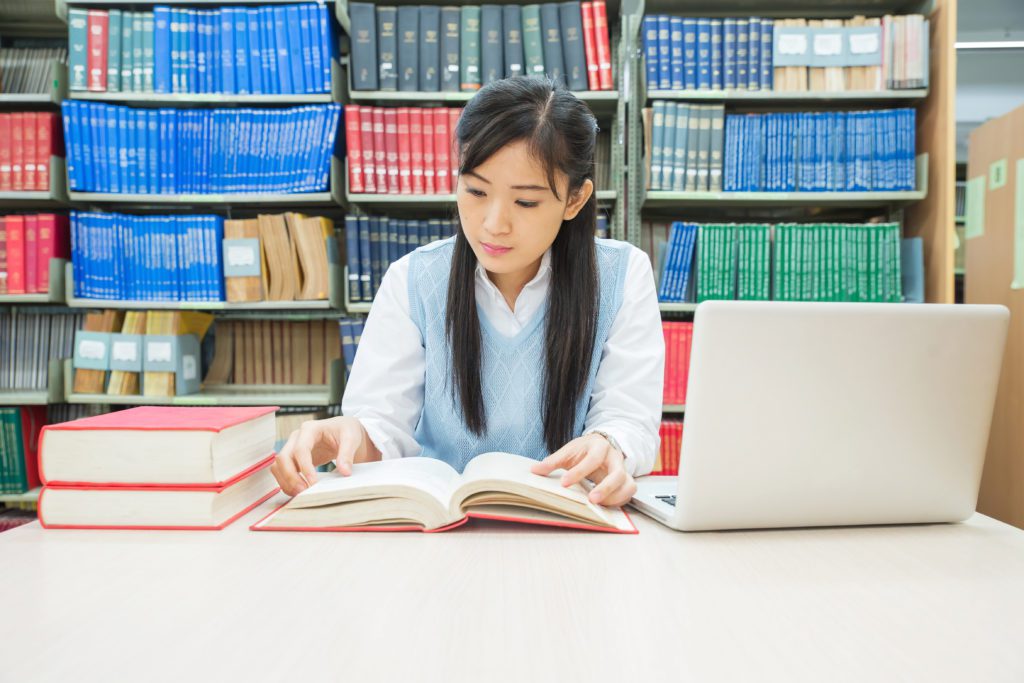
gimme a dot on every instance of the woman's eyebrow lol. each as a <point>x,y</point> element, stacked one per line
<point>541,187</point>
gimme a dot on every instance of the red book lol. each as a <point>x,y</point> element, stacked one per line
<point>3,255</point>
<point>6,149</point>
<point>31,254</point>
<point>97,45</point>
<point>604,50</point>
<point>18,150</point>
<point>29,151</point>
<point>44,149</point>
<point>391,148</point>
<point>453,152</point>
<point>666,329</point>
<point>677,362</point>
<point>15,254</point>
<point>380,158</point>
<point>442,166</point>
<point>368,145</point>
<point>354,143</point>
<point>404,151</point>
<point>685,374</point>
<point>416,145</point>
<point>52,236</point>
<point>590,45</point>
<point>429,187</point>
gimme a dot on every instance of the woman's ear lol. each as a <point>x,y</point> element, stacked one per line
<point>578,200</point>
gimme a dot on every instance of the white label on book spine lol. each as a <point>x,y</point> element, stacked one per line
<point>863,43</point>
<point>188,367</point>
<point>828,44</point>
<point>159,352</point>
<point>793,44</point>
<point>92,349</point>
<point>241,256</point>
<point>125,351</point>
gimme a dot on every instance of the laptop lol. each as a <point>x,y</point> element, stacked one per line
<point>832,414</point>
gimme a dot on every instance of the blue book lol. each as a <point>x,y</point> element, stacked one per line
<point>328,45</point>
<point>352,257</point>
<point>690,53</point>
<point>112,172</point>
<point>192,51</point>
<point>767,81</point>
<point>668,146</point>
<point>676,52</point>
<point>686,266</point>
<point>293,56</point>
<point>238,21</point>
<point>742,52</point>
<point>365,260</point>
<point>650,33</point>
<point>153,143</point>
<point>754,53</point>
<point>912,269</point>
<point>114,29</point>
<point>674,245</point>
<point>729,161</point>
<point>98,126</point>
<point>312,72</point>
<point>81,124</point>
<point>161,49</point>
<point>717,39</point>
<point>284,51</point>
<point>704,54</point>
<point>226,34</point>
<point>72,151</point>
<point>664,52</point>
<point>378,253</point>
<point>254,38</point>
<point>268,52</point>
<point>78,20</point>
<point>177,38</point>
<point>729,53</point>
<point>214,82</point>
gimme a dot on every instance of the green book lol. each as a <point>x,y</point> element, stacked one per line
<point>17,478</point>
<point>897,264</point>
<point>4,448</point>
<point>469,48</point>
<point>533,45</point>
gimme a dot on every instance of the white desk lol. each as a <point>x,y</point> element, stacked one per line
<point>506,602</point>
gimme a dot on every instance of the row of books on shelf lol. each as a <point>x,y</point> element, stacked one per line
<point>351,335</point>
<point>27,141</point>
<point>667,461</point>
<point>273,257</point>
<point>683,144</point>
<point>29,70</point>
<point>281,49</point>
<point>678,341</point>
<point>29,338</point>
<point>431,49</point>
<point>19,445</point>
<point>27,243</point>
<point>115,149</point>
<point>786,55</point>
<point>784,262</point>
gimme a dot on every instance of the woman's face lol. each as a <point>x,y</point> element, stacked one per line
<point>510,215</point>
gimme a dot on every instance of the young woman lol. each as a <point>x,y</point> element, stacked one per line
<point>523,333</point>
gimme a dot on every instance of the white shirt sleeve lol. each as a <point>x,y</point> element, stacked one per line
<point>385,388</point>
<point>628,391</point>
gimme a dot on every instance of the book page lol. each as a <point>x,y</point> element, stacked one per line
<point>368,480</point>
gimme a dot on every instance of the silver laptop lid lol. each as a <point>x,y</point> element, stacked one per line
<point>813,414</point>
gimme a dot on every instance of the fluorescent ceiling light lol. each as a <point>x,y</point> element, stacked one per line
<point>990,45</point>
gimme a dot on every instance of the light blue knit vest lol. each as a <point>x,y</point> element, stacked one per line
<point>512,367</point>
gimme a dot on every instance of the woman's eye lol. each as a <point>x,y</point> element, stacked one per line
<point>475,192</point>
<point>525,204</point>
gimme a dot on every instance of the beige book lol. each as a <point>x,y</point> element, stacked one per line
<point>332,347</point>
<point>94,381</point>
<point>248,288</point>
<point>309,236</point>
<point>258,353</point>
<point>282,265</point>
<point>221,367</point>
<point>123,382</point>
<point>816,74</point>
<point>300,352</point>
<point>267,359</point>
<point>317,355</point>
<point>835,76</point>
<point>420,493</point>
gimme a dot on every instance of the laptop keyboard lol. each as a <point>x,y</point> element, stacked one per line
<point>671,500</point>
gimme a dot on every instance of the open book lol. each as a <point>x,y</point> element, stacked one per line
<point>429,495</point>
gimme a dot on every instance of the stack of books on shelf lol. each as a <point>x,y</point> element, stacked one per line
<point>667,461</point>
<point>290,419</point>
<point>19,443</point>
<point>262,352</point>
<point>27,141</point>
<point>684,144</point>
<point>157,468</point>
<point>281,49</point>
<point>452,49</point>
<point>674,263</point>
<point>351,333</point>
<point>28,70</point>
<point>29,338</point>
<point>734,262</point>
<point>678,340</point>
<point>115,149</point>
<point>27,243</point>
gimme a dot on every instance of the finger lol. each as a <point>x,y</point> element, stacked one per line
<point>302,454</point>
<point>609,484</point>
<point>346,455</point>
<point>590,462</point>
<point>554,461</point>
<point>284,468</point>
<point>621,495</point>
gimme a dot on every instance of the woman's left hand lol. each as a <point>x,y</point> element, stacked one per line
<point>591,456</point>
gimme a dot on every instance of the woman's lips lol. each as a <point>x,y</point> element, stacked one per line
<point>495,250</point>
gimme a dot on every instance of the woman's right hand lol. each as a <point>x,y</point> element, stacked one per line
<point>316,443</point>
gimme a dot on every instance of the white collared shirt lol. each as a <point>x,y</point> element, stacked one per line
<point>385,388</point>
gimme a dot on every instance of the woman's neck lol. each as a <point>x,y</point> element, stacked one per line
<point>511,284</point>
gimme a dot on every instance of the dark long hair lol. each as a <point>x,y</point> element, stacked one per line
<point>561,133</point>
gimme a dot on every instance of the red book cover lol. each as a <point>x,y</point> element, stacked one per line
<point>6,145</point>
<point>368,144</point>
<point>18,151</point>
<point>666,329</point>
<point>31,254</point>
<point>3,255</point>
<point>404,151</point>
<point>604,50</point>
<point>391,147</point>
<point>32,420</point>
<point>590,45</point>
<point>30,151</point>
<point>441,148</point>
<point>453,150</point>
<point>354,145</point>
<point>97,45</point>
<point>679,366</point>
<point>429,187</point>
<point>15,254</point>
<point>416,145</point>
<point>380,157</point>
<point>685,374</point>
<point>52,236</point>
<point>44,149</point>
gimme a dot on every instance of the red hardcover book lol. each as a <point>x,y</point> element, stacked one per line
<point>441,149</point>
<point>18,151</point>
<point>392,496</point>
<point>453,151</point>
<point>30,151</point>
<point>680,365</point>
<point>416,147</point>
<point>354,143</point>
<point>429,186</point>
<point>3,255</point>
<point>380,154</point>
<point>604,50</point>
<point>31,254</point>
<point>666,329</point>
<point>52,236</point>
<point>590,45</point>
<point>6,150</point>
<point>368,144</point>
<point>97,46</point>
<point>404,151</point>
<point>685,374</point>
<point>45,139</point>
<point>15,254</point>
<point>391,147</point>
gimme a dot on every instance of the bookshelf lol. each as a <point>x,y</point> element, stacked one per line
<point>54,197</point>
<point>55,94</point>
<point>54,392</point>
<point>770,97</point>
<point>55,295</point>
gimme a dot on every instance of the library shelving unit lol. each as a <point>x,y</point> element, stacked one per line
<point>54,392</point>
<point>55,294</point>
<point>54,197</point>
<point>56,92</point>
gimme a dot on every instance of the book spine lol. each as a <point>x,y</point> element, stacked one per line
<point>767,47</point>
<point>363,20</point>
<point>690,62</point>
<point>442,152</point>
<point>408,48</point>
<point>574,54</point>
<point>353,139</point>
<point>469,48</point>
<point>492,58</point>
<point>391,149</point>
<point>533,47</point>
<point>590,46</point>
<point>729,53</point>
<point>551,41</point>
<point>416,148</point>
<point>114,51</point>
<point>451,45</point>
<point>148,55</point>
<point>716,54</point>
<point>754,54</point>
<point>387,48</point>
<point>161,49</point>
<point>430,49</point>
<point>96,60</point>
<point>604,50</point>
<point>703,54</point>
<point>429,163</point>
<point>404,151</point>
<point>78,51</point>
<point>676,71</point>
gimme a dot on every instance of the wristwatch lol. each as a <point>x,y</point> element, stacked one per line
<point>609,438</point>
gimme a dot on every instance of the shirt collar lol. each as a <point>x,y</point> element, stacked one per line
<point>541,276</point>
